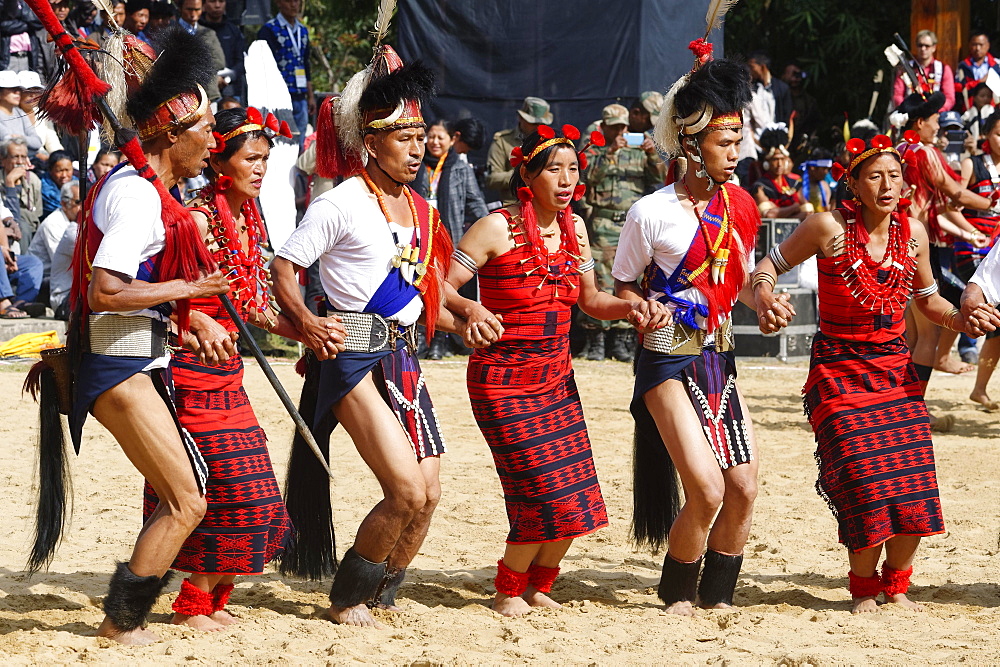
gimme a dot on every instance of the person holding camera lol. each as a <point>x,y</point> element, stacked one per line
<point>617,175</point>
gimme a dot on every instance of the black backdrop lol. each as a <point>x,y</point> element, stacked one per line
<point>578,54</point>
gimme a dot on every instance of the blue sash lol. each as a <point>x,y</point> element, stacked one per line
<point>392,295</point>
<point>684,310</point>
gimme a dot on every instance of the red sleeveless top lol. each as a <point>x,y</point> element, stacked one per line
<point>537,305</point>
<point>847,310</point>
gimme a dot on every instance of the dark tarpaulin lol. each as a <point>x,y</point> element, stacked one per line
<point>579,55</point>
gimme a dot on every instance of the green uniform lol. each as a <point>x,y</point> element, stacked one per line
<point>498,169</point>
<point>614,181</point>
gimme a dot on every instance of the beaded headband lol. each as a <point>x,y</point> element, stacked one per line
<point>255,122</point>
<point>184,109</point>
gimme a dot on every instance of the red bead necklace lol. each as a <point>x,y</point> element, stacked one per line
<point>861,272</point>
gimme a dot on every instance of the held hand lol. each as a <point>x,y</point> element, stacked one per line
<point>649,315</point>
<point>482,328</point>
<point>210,285</point>
<point>774,312</point>
<point>980,240</point>
<point>210,340</point>
<point>325,336</point>
<point>980,321</point>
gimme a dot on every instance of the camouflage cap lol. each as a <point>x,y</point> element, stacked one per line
<point>652,102</point>
<point>535,110</point>
<point>614,114</point>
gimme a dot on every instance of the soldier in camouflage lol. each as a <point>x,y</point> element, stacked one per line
<point>534,112</point>
<point>617,175</point>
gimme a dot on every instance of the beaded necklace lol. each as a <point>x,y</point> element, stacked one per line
<point>861,272</point>
<point>555,268</point>
<point>407,258</point>
<point>244,267</point>
<point>718,250</point>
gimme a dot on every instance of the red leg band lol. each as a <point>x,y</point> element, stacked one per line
<point>192,601</point>
<point>509,582</point>
<point>895,582</point>
<point>220,596</point>
<point>864,587</point>
<point>542,578</point>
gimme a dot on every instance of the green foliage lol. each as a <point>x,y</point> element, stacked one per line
<point>838,42</point>
<point>341,37</point>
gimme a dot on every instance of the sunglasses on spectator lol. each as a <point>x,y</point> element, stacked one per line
<point>925,46</point>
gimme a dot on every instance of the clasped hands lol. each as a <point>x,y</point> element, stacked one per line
<point>774,311</point>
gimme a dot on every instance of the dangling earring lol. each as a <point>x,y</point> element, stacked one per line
<point>525,194</point>
<point>223,183</point>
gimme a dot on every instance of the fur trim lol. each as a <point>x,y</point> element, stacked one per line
<point>895,582</point>
<point>542,578</point>
<point>509,582</point>
<point>678,581</point>
<point>863,587</point>
<point>131,597</point>
<point>718,581</point>
<point>183,63</point>
<point>220,596</point>
<point>386,593</point>
<point>356,580</point>
<point>192,601</point>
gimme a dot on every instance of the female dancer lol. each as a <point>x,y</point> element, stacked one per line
<point>245,525</point>
<point>981,176</point>
<point>533,262</point>
<point>863,396</point>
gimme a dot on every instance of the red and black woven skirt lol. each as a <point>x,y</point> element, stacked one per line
<point>525,400</point>
<point>246,524</point>
<point>873,441</point>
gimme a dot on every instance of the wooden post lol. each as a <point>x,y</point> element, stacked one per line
<point>949,19</point>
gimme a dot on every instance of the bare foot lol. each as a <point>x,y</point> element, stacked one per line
<point>203,623</point>
<point>536,598</point>
<point>388,607</point>
<point>510,606</point>
<point>983,399</point>
<point>904,602</point>
<point>942,424</point>
<point>954,366</point>
<point>358,615</point>
<point>865,605</point>
<point>682,608</point>
<point>721,605</point>
<point>137,637</point>
<point>223,617</point>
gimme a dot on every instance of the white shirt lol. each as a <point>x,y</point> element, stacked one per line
<point>127,211</point>
<point>346,231</point>
<point>658,229</point>
<point>61,274</point>
<point>987,276</point>
<point>47,237</point>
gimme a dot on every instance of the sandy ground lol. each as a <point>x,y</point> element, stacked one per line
<point>793,604</point>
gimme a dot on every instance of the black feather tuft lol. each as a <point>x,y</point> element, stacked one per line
<point>183,63</point>
<point>409,82</point>
<point>917,106</point>
<point>725,84</point>
<point>772,138</point>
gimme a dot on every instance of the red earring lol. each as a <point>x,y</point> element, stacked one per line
<point>223,183</point>
<point>579,191</point>
<point>525,194</point>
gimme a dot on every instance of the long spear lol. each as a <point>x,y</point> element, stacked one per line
<point>87,85</point>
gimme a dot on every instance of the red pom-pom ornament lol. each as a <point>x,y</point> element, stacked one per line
<point>253,116</point>
<point>701,49</point>
<point>881,141</point>
<point>837,171</point>
<point>597,138</point>
<point>220,143</point>
<point>579,191</point>
<point>570,132</point>
<point>271,123</point>
<point>856,146</point>
<point>546,132</point>
<point>583,160</point>
<point>284,130</point>
<point>525,194</point>
<point>911,137</point>
<point>516,157</point>
<point>223,183</point>
<point>903,204</point>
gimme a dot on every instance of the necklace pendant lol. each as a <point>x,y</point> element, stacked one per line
<point>397,261</point>
<point>421,269</point>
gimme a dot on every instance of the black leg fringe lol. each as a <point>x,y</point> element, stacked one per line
<point>718,581</point>
<point>679,581</point>
<point>655,490</point>
<point>356,581</point>
<point>53,473</point>
<point>311,550</point>
<point>386,593</point>
<point>130,597</point>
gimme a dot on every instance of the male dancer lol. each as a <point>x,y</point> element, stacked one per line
<point>134,257</point>
<point>382,255</point>
<point>688,245</point>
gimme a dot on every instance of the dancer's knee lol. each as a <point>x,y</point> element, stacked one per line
<point>408,499</point>
<point>705,499</point>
